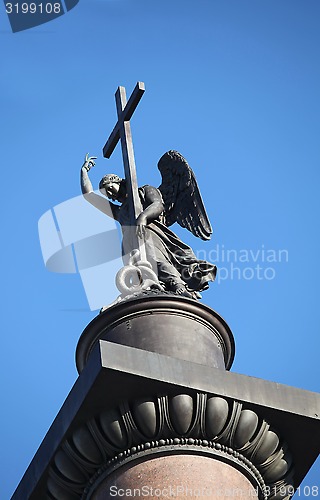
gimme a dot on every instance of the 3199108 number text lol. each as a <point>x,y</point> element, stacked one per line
<point>33,8</point>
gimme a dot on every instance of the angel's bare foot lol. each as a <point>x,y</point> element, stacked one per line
<point>180,289</point>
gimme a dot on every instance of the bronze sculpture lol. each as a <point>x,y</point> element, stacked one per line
<point>176,200</point>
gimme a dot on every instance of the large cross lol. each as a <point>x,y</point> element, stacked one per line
<point>122,131</point>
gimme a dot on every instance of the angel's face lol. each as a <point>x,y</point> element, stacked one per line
<point>112,190</point>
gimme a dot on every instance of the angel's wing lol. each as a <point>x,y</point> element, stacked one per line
<point>181,195</point>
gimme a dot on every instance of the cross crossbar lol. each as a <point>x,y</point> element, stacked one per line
<point>125,115</point>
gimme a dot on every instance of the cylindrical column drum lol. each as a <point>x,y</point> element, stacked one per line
<point>166,324</point>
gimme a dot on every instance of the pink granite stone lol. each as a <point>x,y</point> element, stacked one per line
<point>184,475</point>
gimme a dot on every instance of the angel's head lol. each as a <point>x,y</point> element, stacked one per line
<point>112,186</point>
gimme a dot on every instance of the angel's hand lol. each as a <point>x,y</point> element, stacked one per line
<point>141,225</point>
<point>88,162</point>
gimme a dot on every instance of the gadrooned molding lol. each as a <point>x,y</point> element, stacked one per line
<point>169,424</point>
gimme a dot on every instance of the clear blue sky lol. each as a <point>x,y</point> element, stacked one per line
<point>234,86</point>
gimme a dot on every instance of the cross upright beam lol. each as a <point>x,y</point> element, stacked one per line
<point>122,132</point>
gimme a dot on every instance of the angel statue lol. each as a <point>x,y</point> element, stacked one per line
<point>176,200</point>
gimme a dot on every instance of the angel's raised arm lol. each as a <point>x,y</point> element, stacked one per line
<point>93,198</point>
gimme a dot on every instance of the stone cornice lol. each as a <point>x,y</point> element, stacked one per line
<point>201,423</point>
<point>116,373</point>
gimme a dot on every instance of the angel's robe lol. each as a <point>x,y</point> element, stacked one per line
<point>172,259</point>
